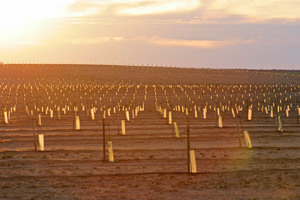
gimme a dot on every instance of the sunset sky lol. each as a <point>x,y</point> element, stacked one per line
<point>189,33</point>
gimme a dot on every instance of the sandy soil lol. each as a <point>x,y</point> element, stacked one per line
<point>150,163</point>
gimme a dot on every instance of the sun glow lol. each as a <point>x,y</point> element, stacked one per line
<point>18,18</point>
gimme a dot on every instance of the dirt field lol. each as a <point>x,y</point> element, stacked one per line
<point>150,162</point>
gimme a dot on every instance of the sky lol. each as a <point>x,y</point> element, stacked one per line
<point>256,34</point>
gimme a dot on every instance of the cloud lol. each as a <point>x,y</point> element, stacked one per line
<point>254,9</point>
<point>206,9</point>
<point>155,40</point>
<point>158,7</point>
<point>96,40</point>
<point>133,7</point>
<point>204,44</point>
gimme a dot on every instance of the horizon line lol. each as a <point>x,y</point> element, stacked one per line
<point>152,65</point>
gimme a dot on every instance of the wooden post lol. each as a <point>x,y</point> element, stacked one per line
<point>204,112</point>
<point>58,113</point>
<point>271,112</point>
<point>41,142</point>
<point>34,137</point>
<point>103,139</point>
<point>247,139</point>
<point>233,114</point>
<point>170,117</point>
<point>123,130</point>
<point>249,113</point>
<point>176,130</point>
<point>220,121</point>
<point>132,113</point>
<point>5,117</point>
<point>39,120</point>
<point>92,114</point>
<point>77,123</point>
<point>287,111</point>
<point>51,113</point>
<point>279,124</point>
<point>110,152</point>
<point>127,115</point>
<point>193,164</point>
<point>188,146</point>
<point>165,113</point>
